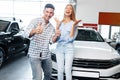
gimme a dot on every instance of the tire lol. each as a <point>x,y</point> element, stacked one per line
<point>27,43</point>
<point>1,56</point>
<point>118,49</point>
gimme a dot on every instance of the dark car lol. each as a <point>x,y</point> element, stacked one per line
<point>10,43</point>
<point>115,42</point>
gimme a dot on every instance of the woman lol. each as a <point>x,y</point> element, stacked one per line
<point>65,48</point>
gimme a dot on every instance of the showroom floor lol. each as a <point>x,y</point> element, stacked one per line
<point>16,69</point>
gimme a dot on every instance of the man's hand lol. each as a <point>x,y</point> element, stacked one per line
<point>57,32</point>
<point>39,29</point>
<point>57,35</point>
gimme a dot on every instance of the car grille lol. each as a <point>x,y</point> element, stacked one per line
<point>101,64</point>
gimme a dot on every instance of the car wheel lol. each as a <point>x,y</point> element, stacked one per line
<point>1,56</point>
<point>26,52</point>
<point>118,49</point>
<point>27,43</point>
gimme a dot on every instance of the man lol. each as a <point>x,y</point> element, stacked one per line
<point>41,33</point>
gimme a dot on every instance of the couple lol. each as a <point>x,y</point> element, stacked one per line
<point>42,33</point>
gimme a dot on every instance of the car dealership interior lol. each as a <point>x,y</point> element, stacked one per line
<point>103,16</point>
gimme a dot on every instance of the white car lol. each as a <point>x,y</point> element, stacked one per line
<point>94,57</point>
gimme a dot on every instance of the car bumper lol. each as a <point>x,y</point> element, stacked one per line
<point>113,72</point>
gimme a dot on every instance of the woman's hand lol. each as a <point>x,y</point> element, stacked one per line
<point>57,22</point>
<point>72,32</point>
<point>76,22</point>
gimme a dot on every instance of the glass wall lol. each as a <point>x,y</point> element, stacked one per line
<point>107,33</point>
<point>29,9</point>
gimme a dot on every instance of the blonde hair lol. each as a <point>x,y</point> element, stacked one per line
<point>72,16</point>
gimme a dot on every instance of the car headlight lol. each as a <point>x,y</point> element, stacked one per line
<point>115,61</point>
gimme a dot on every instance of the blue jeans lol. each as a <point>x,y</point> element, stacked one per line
<point>64,54</point>
<point>38,65</point>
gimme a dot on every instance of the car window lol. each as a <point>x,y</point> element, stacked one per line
<point>88,35</point>
<point>4,25</point>
<point>14,26</point>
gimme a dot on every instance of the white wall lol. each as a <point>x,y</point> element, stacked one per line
<point>88,10</point>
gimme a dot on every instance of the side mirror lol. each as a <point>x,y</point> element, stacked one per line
<point>108,40</point>
<point>14,31</point>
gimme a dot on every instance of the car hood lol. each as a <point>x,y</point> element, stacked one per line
<point>94,50</point>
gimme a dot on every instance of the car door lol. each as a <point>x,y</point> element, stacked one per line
<point>15,43</point>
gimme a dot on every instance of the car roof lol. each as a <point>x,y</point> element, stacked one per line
<point>10,19</point>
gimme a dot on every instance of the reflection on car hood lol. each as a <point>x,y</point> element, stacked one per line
<point>94,50</point>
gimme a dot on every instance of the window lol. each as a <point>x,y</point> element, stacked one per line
<point>29,9</point>
<point>14,26</point>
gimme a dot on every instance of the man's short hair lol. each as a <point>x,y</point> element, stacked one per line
<point>49,6</point>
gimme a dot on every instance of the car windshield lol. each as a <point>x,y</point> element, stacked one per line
<point>3,25</point>
<point>88,35</point>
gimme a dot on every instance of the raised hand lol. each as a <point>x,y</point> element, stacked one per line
<point>76,22</point>
<point>39,29</point>
<point>57,22</point>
